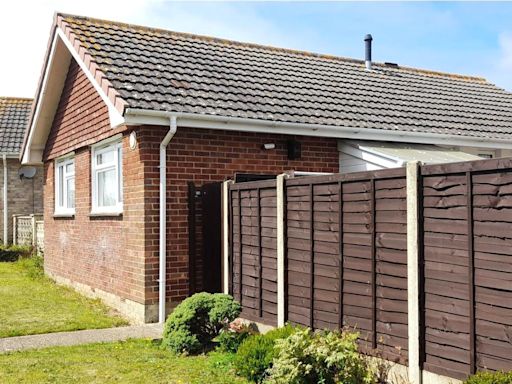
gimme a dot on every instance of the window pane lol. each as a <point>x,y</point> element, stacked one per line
<point>70,185</point>
<point>107,188</point>
<point>105,157</point>
<point>70,167</point>
<point>60,186</point>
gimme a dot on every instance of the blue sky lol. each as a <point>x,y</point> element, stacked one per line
<point>469,38</point>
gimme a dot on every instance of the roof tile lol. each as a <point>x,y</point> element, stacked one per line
<point>164,70</point>
<point>14,115</point>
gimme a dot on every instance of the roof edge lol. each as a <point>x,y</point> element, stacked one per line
<point>151,117</point>
<point>277,49</point>
<point>115,97</point>
<point>62,35</point>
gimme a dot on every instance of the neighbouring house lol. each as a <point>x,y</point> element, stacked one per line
<point>136,127</point>
<point>21,187</point>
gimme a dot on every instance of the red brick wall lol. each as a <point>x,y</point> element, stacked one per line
<point>103,252</point>
<point>120,255</point>
<point>204,156</point>
<point>81,117</point>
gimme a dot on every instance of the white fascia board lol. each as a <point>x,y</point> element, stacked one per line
<point>116,119</point>
<point>152,117</point>
<point>33,153</point>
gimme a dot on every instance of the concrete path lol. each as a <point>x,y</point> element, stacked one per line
<point>89,336</point>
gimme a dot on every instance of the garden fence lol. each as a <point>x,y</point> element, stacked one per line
<point>29,230</point>
<point>418,260</point>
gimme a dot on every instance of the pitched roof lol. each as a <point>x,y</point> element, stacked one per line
<point>168,71</point>
<point>14,115</point>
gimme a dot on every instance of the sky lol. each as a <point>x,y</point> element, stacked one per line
<point>471,38</point>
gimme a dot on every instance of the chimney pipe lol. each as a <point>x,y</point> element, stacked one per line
<point>368,51</point>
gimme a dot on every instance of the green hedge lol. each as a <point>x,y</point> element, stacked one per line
<point>327,357</point>
<point>490,378</point>
<point>255,355</point>
<point>13,253</point>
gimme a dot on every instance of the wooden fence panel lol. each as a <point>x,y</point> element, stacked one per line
<point>445,224</point>
<point>356,278</point>
<point>492,223</point>
<point>391,267</point>
<point>468,266</point>
<point>253,249</point>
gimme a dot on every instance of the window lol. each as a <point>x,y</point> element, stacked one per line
<point>107,178</point>
<point>65,186</point>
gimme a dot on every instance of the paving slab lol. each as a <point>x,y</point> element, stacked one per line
<point>89,336</point>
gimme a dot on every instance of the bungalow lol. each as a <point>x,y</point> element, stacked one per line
<point>21,187</point>
<point>136,127</point>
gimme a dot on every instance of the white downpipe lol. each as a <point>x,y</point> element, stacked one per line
<point>6,216</point>
<point>163,219</point>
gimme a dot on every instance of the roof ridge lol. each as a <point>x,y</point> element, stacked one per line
<point>277,49</point>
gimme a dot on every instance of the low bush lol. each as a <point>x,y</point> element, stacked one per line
<point>194,323</point>
<point>233,335</point>
<point>490,378</point>
<point>326,357</point>
<point>255,355</point>
<point>11,253</point>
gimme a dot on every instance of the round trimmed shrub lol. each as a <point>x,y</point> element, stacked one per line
<point>197,320</point>
<point>256,353</point>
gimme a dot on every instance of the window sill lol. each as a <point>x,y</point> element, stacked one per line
<point>105,214</point>
<point>64,215</point>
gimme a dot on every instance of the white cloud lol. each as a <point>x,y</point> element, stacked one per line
<point>505,41</point>
<point>25,27</point>
<point>500,63</point>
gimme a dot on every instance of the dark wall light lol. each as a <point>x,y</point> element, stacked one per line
<point>294,149</point>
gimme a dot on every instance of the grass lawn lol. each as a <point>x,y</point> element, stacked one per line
<point>33,304</point>
<point>133,361</point>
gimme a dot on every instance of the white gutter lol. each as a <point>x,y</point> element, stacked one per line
<point>6,216</point>
<point>163,218</point>
<point>152,117</point>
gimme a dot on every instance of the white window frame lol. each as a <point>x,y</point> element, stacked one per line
<point>114,144</point>
<point>64,162</point>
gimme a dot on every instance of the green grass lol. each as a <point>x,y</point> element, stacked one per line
<point>31,303</point>
<point>133,361</point>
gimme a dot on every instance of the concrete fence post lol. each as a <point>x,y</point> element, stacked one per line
<point>14,229</point>
<point>413,216</point>
<point>34,240</point>
<point>225,235</point>
<point>280,201</point>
